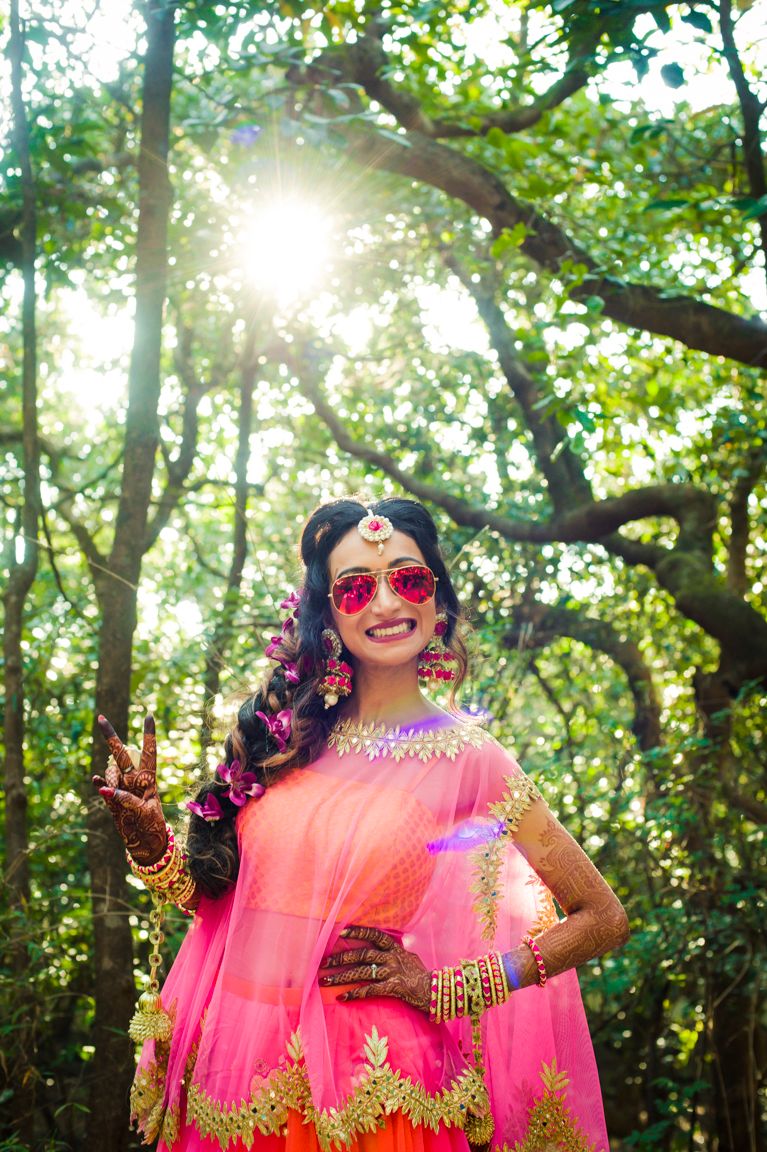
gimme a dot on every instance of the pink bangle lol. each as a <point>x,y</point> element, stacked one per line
<point>538,959</point>
<point>435,1004</point>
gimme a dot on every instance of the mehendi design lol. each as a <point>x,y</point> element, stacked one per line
<point>130,793</point>
<point>388,969</point>
<point>596,921</point>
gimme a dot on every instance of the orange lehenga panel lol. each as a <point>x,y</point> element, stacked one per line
<point>396,1134</point>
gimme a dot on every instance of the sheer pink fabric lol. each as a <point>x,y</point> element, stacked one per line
<point>396,844</point>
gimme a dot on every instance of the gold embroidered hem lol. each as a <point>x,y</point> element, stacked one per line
<point>380,1091</point>
<point>487,860</point>
<point>376,740</point>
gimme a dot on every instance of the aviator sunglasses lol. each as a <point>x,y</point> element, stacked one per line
<point>414,583</point>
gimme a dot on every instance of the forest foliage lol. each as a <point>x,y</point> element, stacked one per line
<point>510,258</point>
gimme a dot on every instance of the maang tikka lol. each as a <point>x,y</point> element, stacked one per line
<point>436,661</point>
<point>376,529</point>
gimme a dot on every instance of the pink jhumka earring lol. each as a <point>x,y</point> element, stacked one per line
<point>436,661</point>
<point>337,677</point>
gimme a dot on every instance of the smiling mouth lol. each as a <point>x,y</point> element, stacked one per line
<point>383,632</point>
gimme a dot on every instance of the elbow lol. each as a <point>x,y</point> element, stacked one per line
<point>621,929</point>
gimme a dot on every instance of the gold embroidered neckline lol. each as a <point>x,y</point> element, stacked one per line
<point>376,740</point>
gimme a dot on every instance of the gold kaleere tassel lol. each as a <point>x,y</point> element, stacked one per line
<point>150,1020</point>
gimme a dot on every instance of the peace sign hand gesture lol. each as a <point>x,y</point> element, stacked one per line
<point>385,969</point>
<point>130,794</point>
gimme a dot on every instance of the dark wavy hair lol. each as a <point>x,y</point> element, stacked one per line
<point>212,845</point>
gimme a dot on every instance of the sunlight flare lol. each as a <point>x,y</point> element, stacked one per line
<point>287,248</point>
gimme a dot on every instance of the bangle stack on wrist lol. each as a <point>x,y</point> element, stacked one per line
<point>167,877</point>
<point>468,989</point>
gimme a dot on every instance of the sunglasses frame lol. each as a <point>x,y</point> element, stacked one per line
<point>378,573</point>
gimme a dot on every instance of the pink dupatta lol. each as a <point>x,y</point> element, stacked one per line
<point>411,833</point>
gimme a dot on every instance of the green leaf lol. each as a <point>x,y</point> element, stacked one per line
<point>698,20</point>
<point>756,209</point>
<point>666,205</point>
<point>585,419</point>
<point>672,75</point>
<point>510,238</point>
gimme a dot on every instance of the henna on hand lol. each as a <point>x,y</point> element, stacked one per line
<point>386,969</point>
<point>596,920</point>
<point>130,793</point>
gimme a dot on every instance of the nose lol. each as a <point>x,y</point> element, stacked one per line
<point>385,600</point>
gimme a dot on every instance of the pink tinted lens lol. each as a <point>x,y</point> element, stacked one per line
<point>353,593</point>
<point>415,584</point>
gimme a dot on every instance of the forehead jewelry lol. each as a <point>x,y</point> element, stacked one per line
<point>376,529</point>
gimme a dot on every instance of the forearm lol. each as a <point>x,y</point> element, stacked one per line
<point>587,932</point>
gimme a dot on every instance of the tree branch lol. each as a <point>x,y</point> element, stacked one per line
<point>179,468</point>
<point>367,63</point>
<point>560,466</point>
<point>751,110</point>
<point>417,156</point>
<point>737,550</point>
<point>535,625</point>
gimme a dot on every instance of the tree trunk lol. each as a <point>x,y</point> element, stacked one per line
<point>733,984</point>
<point>113,988</point>
<point>19,1065</point>
<point>222,632</point>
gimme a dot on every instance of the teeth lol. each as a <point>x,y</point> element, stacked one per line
<point>395,630</point>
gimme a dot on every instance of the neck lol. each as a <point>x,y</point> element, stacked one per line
<point>389,696</point>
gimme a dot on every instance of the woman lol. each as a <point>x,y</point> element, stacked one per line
<point>371,963</point>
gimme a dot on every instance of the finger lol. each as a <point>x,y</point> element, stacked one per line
<point>356,956</point>
<point>107,731</point>
<point>118,799</point>
<point>147,769</point>
<point>113,777</point>
<point>374,935</point>
<point>357,975</point>
<point>363,992</point>
<point>99,782</point>
<point>115,745</point>
<point>118,802</point>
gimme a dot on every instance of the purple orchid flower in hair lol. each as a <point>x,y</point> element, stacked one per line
<point>271,648</point>
<point>241,784</point>
<point>292,603</point>
<point>210,810</point>
<point>278,726</point>
<point>291,671</point>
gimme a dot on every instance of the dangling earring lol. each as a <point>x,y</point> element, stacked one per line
<point>436,662</point>
<point>337,678</point>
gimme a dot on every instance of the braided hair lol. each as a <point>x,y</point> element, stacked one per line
<point>212,845</point>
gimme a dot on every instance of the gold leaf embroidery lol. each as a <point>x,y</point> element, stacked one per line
<point>551,1125</point>
<point>376,740</point>
<point>380,1091</point>
<point>545,909</point>
<point>148,1092</point>
<point>487,860</point>
<point>554,1081</point>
